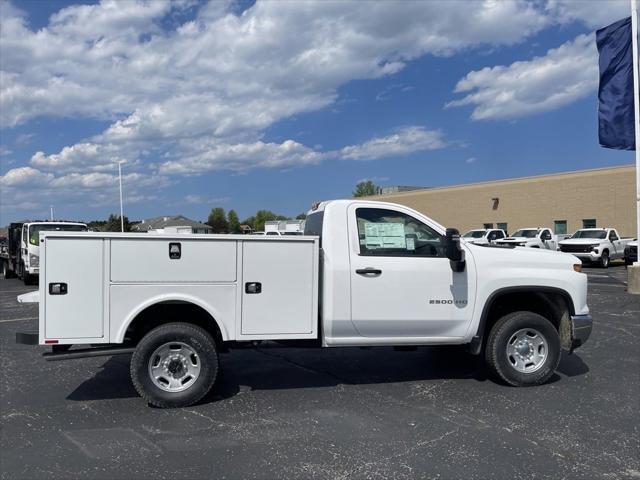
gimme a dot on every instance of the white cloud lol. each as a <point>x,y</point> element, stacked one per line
<point>202,158</point>
<point>403,142</point>
<point>4,151</point>
<point>593,13</point>
<point>562,76</point>
<point>25,176</point>
<point>471,160</point>
<point>204,200</point>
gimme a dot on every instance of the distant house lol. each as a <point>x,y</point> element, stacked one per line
<point>173,224</point>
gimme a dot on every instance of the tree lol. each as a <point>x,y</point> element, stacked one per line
<point>366,189</point>
<point>113,224</point>
<point>301,216</point>
<point>233,221</point>
<point>257,221</point>
<point>218,221</point>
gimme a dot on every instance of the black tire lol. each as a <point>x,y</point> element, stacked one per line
<point>6,272</point>
<point>604,259</point>
<point>27,278</point>
<point>499,361</point>
<point>197,339</point>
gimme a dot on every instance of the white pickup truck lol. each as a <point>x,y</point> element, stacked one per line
<point>597,245</point>
<point>531,237</point>
<point>364,274</point>
<point>484,236</point>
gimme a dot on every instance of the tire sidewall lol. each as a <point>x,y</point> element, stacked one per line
<point>497,346</point>
<point>199,340</point>
<point>604,260</point>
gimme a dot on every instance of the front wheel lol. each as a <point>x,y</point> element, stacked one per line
<point>27,278</point>
<point>523,349</point>
<point>604,259</point>
<point>174,365</point>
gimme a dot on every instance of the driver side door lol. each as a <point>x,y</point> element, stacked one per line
<point>402,284</point>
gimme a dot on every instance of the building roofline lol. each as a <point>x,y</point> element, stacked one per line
<point>505,180</point>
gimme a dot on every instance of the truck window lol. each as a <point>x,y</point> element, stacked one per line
<point>384,232</point>
<point>313,224</point>
<point>34,230</point>
<point>612,236</point>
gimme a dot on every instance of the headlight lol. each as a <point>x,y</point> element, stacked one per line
<point>594,248</point>
<point>34,260</point>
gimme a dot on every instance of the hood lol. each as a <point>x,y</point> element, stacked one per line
<point>581,241</point>
<point>523,258</point>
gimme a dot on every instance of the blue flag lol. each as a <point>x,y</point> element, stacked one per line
<point>615,94</point>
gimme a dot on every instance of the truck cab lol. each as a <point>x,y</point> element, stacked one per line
<point>22,257</point>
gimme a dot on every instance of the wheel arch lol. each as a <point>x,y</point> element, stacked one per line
<point>553,303</point>
<point>162,309</point>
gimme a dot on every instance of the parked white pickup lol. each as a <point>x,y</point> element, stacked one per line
<point>385,275</point>
<point>532,237</point>
<point>598,245</point>
<point>484,236</point>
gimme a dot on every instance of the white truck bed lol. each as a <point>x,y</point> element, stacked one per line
<point>111,277</point>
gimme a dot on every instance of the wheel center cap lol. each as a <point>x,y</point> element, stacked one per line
<point>523,349</point>
<point>176,367</point>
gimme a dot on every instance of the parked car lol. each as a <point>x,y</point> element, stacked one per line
<point>386,275</point>
<point>596,245</point>
<point>484,236</point>
<point>532,237</point>
<point>631,252</point>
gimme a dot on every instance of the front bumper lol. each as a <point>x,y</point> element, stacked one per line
<point>587,256</point>
<point>581,326</point>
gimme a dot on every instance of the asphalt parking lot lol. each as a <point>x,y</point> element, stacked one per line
<point>332,413</point>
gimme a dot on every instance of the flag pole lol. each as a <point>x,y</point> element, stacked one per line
<point>636,109</point>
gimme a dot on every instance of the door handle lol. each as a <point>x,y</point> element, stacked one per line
<point>369,271</point>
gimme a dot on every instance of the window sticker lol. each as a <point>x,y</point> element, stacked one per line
<point>384,235</point>
<point>411,243</point>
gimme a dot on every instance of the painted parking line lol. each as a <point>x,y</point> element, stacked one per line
<point>18,319</point>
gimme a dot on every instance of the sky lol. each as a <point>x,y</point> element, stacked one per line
<point>275,105</point>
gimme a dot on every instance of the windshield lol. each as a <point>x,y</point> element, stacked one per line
<point>525,233</point>
<point>34,230</point>
<point>590,234</point>
<point>474,234</point>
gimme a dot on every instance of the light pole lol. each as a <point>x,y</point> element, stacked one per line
<point>120,181</point>
<point>51,208</point>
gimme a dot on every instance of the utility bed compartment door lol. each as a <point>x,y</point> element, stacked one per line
<point>172,260</point>
<point>286,304</point>
<point>76,310</point>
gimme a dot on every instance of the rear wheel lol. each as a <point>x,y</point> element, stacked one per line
<point>605,260</point>
<point>523,349</point>
<point>174,365</point>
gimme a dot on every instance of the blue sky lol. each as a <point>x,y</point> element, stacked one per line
<point>279,104</point>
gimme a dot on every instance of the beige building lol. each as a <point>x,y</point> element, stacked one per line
<point>565,202</point>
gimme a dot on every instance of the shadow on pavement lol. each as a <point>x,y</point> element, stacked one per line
<point>269,368</point>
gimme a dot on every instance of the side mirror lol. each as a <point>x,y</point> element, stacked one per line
<point>454,252</point>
